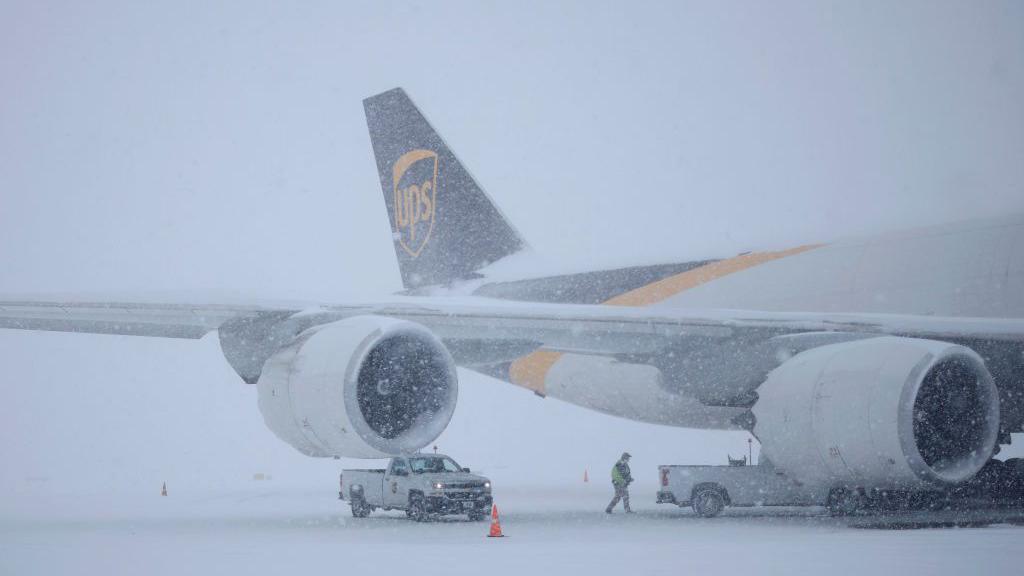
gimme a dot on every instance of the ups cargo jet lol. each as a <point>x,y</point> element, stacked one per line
<point>886,362</point>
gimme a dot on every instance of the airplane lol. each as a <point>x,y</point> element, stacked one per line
<point>887,362</point>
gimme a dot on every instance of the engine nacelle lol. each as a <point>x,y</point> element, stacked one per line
<point>883,412</point>
<point>363,387</point>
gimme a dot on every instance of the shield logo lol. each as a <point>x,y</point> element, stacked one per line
<point>414,178</point>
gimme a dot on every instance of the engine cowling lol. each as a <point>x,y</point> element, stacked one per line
<point>363,387</point>
<point>883,412</point>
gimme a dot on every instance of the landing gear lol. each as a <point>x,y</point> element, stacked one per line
<point>845,502</point>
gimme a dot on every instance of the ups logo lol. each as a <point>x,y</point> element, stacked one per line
<point>414,178</point>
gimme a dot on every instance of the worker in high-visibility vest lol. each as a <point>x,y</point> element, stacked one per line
<point>621,479</point>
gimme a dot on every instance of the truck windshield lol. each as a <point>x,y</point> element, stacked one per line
<point>433,465</point>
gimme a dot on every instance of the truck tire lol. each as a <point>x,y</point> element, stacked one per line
<point>843,502</point>
<point>477,515</point>
<point>417,508</point>
<point>360,509</point>
<point>708,501</point>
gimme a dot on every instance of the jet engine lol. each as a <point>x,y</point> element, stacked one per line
<point>362,387</point>
<point>883,412</point>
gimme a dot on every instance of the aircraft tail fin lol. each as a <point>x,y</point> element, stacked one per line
<point>444,225</point>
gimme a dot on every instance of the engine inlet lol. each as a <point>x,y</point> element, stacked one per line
<point>955,418</point>
<point>403,380</point>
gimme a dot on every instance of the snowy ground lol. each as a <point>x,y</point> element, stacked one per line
<point>89,439</point>
<point>267,530</point>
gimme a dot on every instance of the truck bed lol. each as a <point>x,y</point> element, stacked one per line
<point>371,479</point>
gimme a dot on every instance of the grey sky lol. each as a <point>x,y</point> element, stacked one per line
<point>221,148</point>
<point>209,146</point>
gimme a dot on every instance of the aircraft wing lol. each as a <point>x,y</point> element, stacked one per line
<point>482,331</point>
<point>627,329</point>
<point>566,327</point>
<point>699,368</point>
<point>127,318</point>
<point>718,357</point>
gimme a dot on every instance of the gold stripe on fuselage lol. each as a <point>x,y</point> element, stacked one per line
<point>531,370</point>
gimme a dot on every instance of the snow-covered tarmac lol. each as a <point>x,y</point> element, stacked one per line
<point>265,529</point>
<point>81,468</point>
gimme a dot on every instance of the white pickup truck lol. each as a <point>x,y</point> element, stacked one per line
<point>424,485</point>
<point>709,489</point>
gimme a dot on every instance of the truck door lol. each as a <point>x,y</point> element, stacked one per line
<point>396,484</point>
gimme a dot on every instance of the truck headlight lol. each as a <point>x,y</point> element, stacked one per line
<point>438,485</point>
<point>487,485</point>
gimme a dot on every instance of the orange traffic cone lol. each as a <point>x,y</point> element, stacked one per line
<point>495,523</point>
<point>585,477</point>
<point>163,491</point>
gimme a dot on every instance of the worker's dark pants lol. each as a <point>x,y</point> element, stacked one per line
<point>621,493</point>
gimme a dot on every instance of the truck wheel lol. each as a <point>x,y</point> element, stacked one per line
<point>708,502</point>
<point>417,509</point>
<point>360,509</point>
<point>843,502</point>
<point>477,515</point>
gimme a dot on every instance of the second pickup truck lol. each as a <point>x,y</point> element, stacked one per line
<point>424,485</point>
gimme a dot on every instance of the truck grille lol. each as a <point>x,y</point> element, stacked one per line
<point>466,485</point>
<point>463,495</point>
